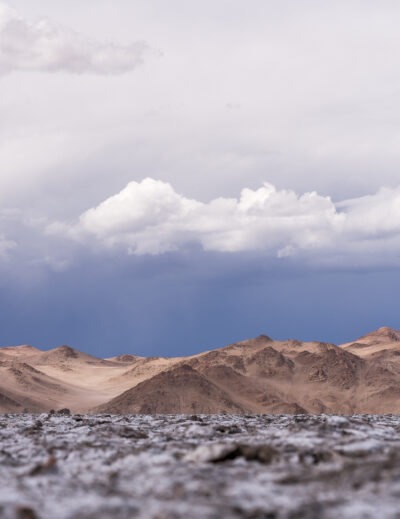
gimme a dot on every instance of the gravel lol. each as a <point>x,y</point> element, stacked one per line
<point>203,466</point>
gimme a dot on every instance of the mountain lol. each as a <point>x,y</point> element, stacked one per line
<point>383,338</point>
<point>126,358</point>
<point>179,390</point>
<point>24,387</point>
<point>42,380</point>
<point>383,334</point>
<point>258,375</point>
<point>64,355</point>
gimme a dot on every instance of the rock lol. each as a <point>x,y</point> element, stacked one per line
<point>219,452</point>
<point>49,466</point>
<point>65,412</point>
<point>124,431</point>
<point>25,512</point>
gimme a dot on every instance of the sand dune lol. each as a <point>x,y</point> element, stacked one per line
<point>258,375</point>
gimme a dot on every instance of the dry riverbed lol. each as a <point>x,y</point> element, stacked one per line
<point>209,467</point>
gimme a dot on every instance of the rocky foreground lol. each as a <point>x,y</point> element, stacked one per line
<point>200,466</point>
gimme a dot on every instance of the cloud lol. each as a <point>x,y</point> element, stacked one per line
<point>6,246</point>
<point>150,217</point>
<point>44,45</point>
<point>374,216</point>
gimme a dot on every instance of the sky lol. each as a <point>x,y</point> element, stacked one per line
<point>176,176</point>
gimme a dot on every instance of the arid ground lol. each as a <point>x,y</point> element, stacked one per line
<point>199,466</point>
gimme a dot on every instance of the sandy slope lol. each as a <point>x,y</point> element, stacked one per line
<point>255,376</point>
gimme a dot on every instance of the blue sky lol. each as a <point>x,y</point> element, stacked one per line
<point>178,177</point>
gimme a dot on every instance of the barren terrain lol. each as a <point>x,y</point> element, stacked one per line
<point>199,466</point>
<point>259,375</point>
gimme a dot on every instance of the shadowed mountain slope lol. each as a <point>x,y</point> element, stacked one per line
<point>179,390</point>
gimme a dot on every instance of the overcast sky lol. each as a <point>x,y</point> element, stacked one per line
<point>179,175</point>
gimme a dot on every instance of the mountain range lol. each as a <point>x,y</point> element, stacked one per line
<point>258,375</point>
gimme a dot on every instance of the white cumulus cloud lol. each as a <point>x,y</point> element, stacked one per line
<point>150,217</point>
<point>44,45</point>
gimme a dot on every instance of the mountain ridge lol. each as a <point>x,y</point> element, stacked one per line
<point>259,375</point>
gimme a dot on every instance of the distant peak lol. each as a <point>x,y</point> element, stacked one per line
<point>23,349</point>
<point>384,332</point>
<point>264,338</point>
<point>127,357</point>
<point>19,347</point>
<point>67,351</point>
